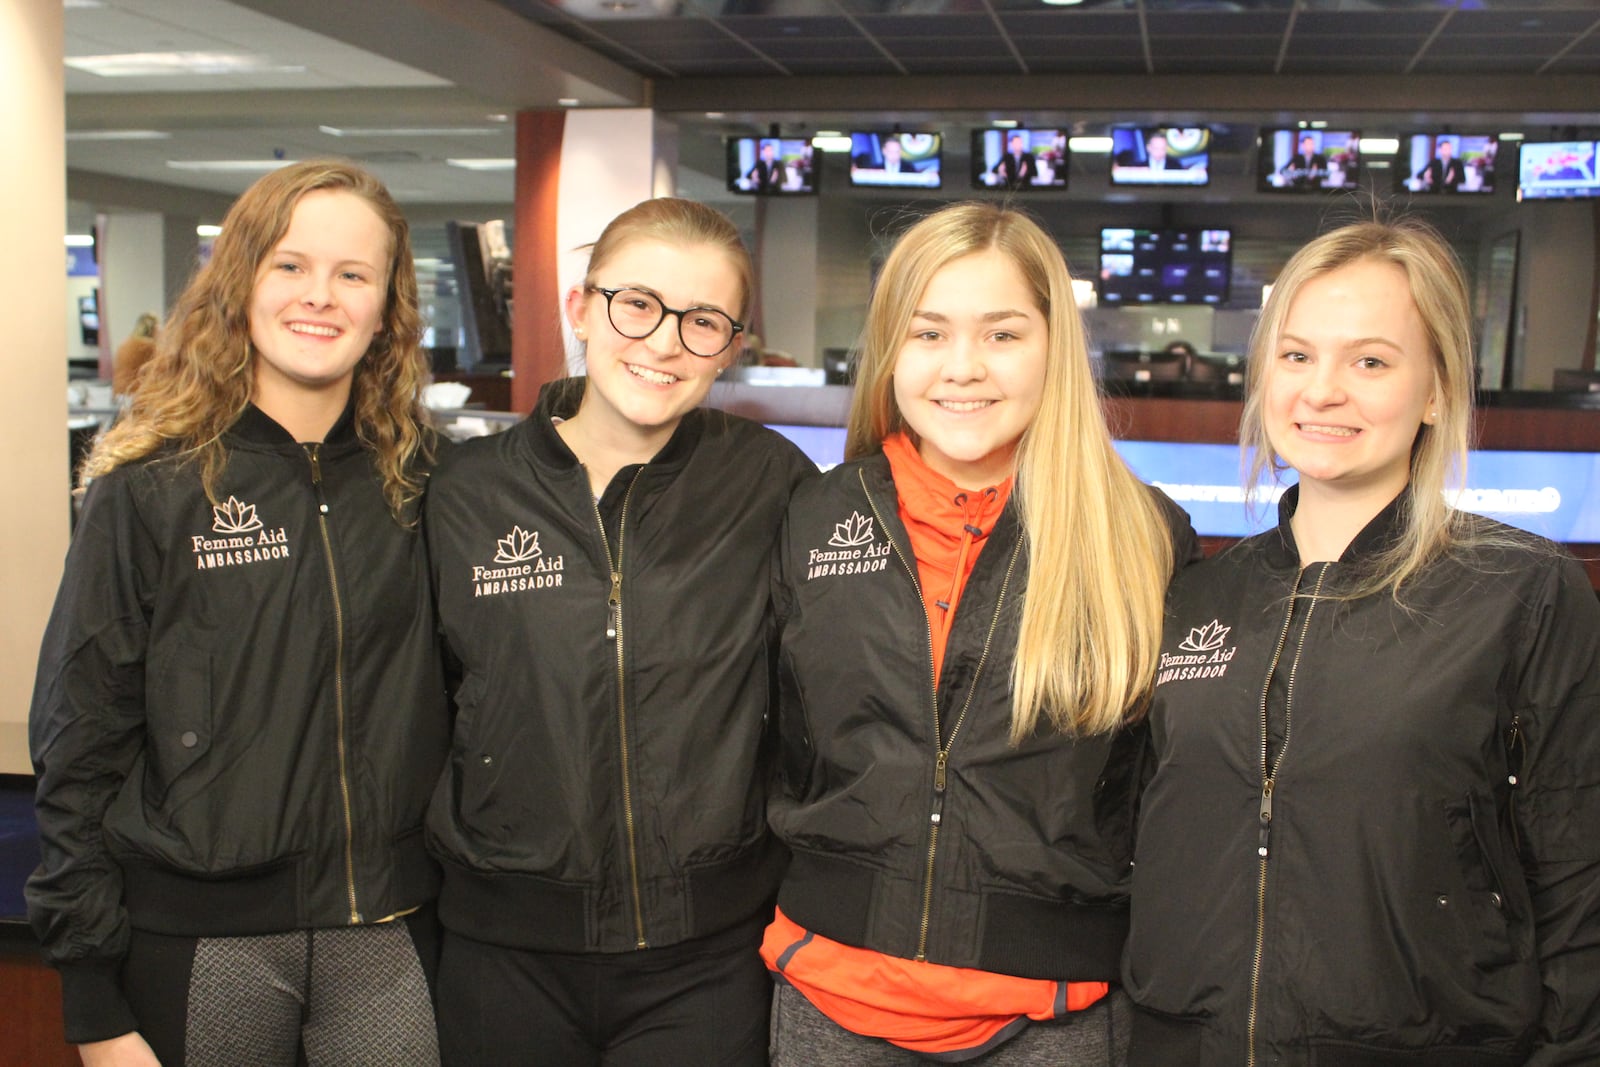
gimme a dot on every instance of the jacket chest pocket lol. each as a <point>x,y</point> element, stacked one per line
<point>178,717</point>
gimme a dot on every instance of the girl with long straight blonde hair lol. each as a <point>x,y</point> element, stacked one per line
<point>971,606</point>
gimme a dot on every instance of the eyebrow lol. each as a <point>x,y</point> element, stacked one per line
<point>1359,342</point>
<point>698,305</point>
<point>297,254</point>
<point>988,316</point>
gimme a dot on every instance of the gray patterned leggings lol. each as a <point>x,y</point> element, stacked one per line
<point>346,997</point>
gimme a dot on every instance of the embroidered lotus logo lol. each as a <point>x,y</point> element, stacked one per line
<point>518,546</point>
<point>854,531</point>
<point>234,517</point>
<point>1205,638</point>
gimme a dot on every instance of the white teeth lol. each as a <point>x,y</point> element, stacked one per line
<point>1330,431</point>
<point>964,405</point>
<point>314,331</point>
<point>655,376</point>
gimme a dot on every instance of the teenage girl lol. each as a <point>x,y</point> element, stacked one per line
<point>240,711</point>
<point>1373,833</point>
<point>602,578</point>
<point>970,609</point>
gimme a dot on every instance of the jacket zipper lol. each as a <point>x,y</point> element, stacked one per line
<point>338,685</point>
<point>614,633</point>
<point>1269,781</point>
<point>941,761</point>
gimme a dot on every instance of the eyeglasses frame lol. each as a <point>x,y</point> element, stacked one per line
<point>738,327</point>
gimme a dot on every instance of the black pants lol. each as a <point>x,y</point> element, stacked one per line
<point>703,1003</point>
<point>344,997</point>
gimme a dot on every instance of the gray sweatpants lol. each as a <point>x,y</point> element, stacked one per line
<point>1096,1037</point>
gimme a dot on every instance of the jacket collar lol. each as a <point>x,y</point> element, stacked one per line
<point>255,429</point>
<point>1383,531</point>
<point>560,399</point>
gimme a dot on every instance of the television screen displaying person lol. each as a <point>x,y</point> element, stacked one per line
<point>1307,167</point>
<point>1444,172</point>
<point>1155,151</point>
<point>1017,167</point>
<point>769,173</point>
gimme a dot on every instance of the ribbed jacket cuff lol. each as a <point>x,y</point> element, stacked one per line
<point>92,1002</point>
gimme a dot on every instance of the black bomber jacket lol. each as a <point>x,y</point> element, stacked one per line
<point>240,710</point>
<point>607,779</point>
<point>917,830</point>
<point>1419,881</point>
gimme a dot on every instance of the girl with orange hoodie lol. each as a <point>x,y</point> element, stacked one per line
<point>971,607</point>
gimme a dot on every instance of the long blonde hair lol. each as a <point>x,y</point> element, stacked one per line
<point>201,377</point>
<point>1429,525</point>
<point>1100,554</point>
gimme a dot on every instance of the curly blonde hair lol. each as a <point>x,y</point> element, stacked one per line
<point>201,377</point>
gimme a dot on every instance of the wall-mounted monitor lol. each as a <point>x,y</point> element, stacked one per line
<point>895,160</point>
<point>1299,160</point>
<point>1447,163</point>
<point>1188,265</point>
<point>1020,159</point>
<point>1557,170</point>
<point>89,318</point>
<point>771,166</point>
<point>1160,155</point>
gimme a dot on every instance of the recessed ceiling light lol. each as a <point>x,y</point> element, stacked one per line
<point>715,114</point>
<point>156,64</point>
<point>1089,145</point>
<point>836,143</point>
<point>1063,3</point>
<point>498,116</point>
<point>117,135</point>
<point>567,101</point>
<point>228,164</point>
<point>410,131</point>
<point>1005,124</point>
<point>208,231</point>
<point>1512,136</point>
<point>483,164</point>
<point>1379,146</point>
<point>80,240</point>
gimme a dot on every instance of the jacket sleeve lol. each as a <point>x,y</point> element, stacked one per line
<point>1186,547</point>
<point>1558,810</point>
<point>85,730</point>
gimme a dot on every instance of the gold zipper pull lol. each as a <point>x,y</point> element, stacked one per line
<point>615,603</point>
<point>939,766</point>
<point>1266,817</point>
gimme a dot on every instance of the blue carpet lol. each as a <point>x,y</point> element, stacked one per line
<point>19,842</point>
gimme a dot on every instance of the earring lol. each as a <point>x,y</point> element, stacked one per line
<point>577,331</point>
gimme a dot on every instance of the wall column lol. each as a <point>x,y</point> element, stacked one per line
<point>576,171</point>
<point>33,430</point>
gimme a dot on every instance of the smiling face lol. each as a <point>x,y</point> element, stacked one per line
<point>969,375</point>
<point>1351,382</point>
<point>318,301</point>
<point>644,387</point>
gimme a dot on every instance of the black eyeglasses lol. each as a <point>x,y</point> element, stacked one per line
<point>637,313</point>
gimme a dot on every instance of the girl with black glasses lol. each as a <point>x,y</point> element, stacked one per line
<point>602,579</point>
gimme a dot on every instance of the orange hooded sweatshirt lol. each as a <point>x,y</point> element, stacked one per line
<point>954,1013</point>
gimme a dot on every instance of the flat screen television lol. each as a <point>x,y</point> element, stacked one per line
<point>1015,159</point>
<point>1557,170</point>
<point>1447,163</point>
<point>895,160</point>
<point>1176,265</point>
<point>1160,155</point>
<point>771,166</point>
<point>89,319</point>
<point>1298,160</point>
